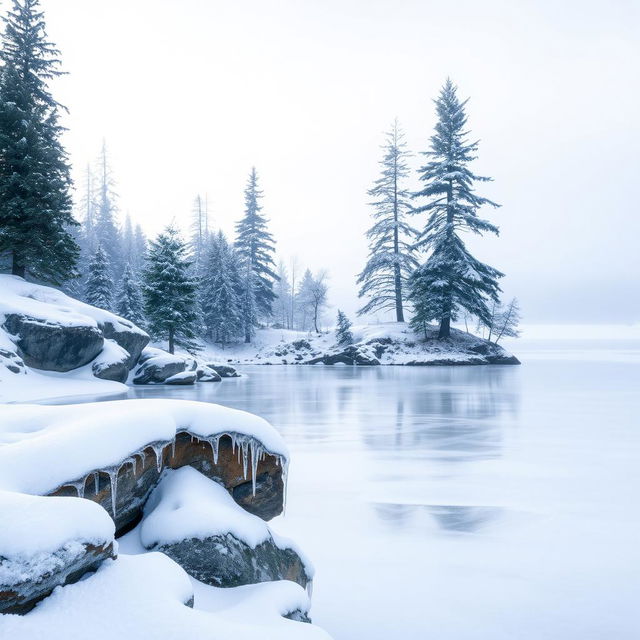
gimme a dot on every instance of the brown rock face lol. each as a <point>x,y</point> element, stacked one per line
<point>135,478</point>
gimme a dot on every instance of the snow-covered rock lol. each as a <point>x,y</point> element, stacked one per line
<point>113,454</point>
<point>47,542</point>
<point>196,522</point>
<point>53,332</point>
<point>223,370</point>
<point>144,597</point>
<point>205,373</point>
<point>156,366</point>
<point>112,363</point>
<point>393,343</point>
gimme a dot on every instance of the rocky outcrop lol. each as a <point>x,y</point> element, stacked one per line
<point>156,366</point>
<point>221,459</point>
<point>205,373</point>
<point>225,561</point>
<point>352,354</point>
<point>52,346</point>
<point>112,363</point>
<point>64,566</point>
<point>223,370</point>
<point>128,336</point>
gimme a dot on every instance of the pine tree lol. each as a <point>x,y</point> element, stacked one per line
<point>391,260</point>
<point>170,292</point>
<point>220,291</point>
<point>129,304</point>
<point>99,285</point>
<point>106,227</point>
<point>140,248</point>
<point>255,247</point>
<point>344,337</point>
<point>248,304</point>
<point>283,297</point>
<point>199,231</point>
<point>35,201</point>
<point>451,279</point>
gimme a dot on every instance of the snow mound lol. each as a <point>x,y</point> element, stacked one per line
<point>51,445</point>
<point>144,596</point>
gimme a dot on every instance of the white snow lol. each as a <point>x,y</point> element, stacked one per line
<point>52,306</point>
<point>51,445</point>
<point>143,596</point>
<point>187,504</point>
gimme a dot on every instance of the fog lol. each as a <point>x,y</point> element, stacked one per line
<point>190,94</point>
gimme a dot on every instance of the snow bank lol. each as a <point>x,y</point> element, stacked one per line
<point>53,306</point>
<point>51,445</point>
<point>144,596</point>
<point>186,504</point>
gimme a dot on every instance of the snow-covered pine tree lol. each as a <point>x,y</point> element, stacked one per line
<point>106,228</point>
<point>35,200</point>
<point>199,232</point>
<point>391,260</point>
<point>451,279</point>
<point>248,304</point>
<point>304,299</point>
<point>129,303</point>
<point>344,337</point>
<point>99,287</point>
<point>255,247</point>
<point>220,295</point>
<point>170,292</point>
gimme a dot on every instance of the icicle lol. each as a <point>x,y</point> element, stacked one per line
<point>284,463</point>
<point>309,589</point>
<point>173,447</point>
<point>81,486</point>
<point>215,447</point>
<point>245,458</point>
<point>96,481</point>
<point>158,450</point>
<point>113,479</point>
<point>256,455</point>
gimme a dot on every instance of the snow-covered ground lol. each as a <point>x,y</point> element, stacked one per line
<point>390,343</point>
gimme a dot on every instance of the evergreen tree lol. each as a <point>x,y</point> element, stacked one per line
<point>283,297</point>
<point>129,304</point>
<point>391,260</point>
<point>344,336</point>
<point>35,202</point>
<point>220,291</point>
<point>451,279</point>
<point>106,228</point>
<point>199,232</point>
<point>255,247</point>
<point>170,292</point>
<point>248,304</point>
<point>99,281</point>
<point>140,248</point>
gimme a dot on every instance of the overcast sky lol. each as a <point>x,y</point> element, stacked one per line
<point>189,94</point>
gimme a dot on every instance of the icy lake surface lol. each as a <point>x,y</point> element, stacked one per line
<point>462,502</point>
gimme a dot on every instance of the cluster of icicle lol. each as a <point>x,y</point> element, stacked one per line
<point>247,448</point>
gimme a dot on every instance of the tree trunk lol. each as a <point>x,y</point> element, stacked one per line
<point>396,250</point>
<point>445,321</point>
<point>171,340</point>
<point>445,328</point>
<point>247,333</point>
<point>17,266</point>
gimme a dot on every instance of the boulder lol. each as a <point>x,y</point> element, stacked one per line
<point>131,338</point>
<point>223,370</point>
<point>112,363</point>
<point>184,378</point>
<point>51,346</point>
<point>136,477</point>
<point>225,561</point>
<point>195,521</point>
<point>205,373</point>
<point>353,354</point>
<point>155,366</point>
<point>64,566</point>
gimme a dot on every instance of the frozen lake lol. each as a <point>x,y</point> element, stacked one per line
<point>468,502</point>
